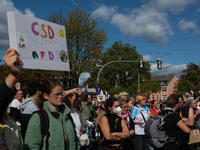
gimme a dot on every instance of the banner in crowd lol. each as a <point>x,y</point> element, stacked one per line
<point>41,44</point>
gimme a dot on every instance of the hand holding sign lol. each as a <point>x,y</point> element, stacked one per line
<point>11,59</point>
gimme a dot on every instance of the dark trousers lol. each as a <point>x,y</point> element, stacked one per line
<point>169,146</point>
<point>141,143</point>
<point>188,147</point>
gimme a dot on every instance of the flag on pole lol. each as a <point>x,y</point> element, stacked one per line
<point>101,93</point>
<point>106,95</point>
<point>98,89</point>
<point>86,89</point>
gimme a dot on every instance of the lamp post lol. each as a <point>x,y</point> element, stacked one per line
<point>123,61</point>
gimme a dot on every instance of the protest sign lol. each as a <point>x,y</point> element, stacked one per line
<point>101,98</point>
<point>41,44</point>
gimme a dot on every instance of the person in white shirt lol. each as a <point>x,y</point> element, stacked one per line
<point>73,101</point>
<point>18,99</point>
<point>140,114</point>
<point>14,108</point>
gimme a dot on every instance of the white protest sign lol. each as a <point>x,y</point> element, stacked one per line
<point>101,98</point>
<point>17,86</point>
<point>41,44</point>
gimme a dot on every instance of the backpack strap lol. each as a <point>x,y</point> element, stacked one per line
<point>142,114</point>
<point>44,119</point>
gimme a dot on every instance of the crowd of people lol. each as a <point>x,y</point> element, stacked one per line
<point>50,118</point>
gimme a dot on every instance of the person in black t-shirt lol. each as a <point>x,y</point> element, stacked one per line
<point>173,123</point>
<point>113,128</point>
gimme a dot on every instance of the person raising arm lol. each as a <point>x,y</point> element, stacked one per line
<point>7,87</point>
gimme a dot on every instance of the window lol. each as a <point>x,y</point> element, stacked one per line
<point>152,96</point>
<point>157,97</point>
<point>164,97</point>
<point>164,89</point>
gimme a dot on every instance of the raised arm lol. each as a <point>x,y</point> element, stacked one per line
<point>71,91</point>
<point>11,59</point>
<point>6,87</point>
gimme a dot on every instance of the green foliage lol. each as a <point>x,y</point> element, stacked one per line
<point>28,76</point>
<point>4,72</point>
<point>148,87</point>
<point>190,80</point>
<point>84,40</point>
<point>118,77</point>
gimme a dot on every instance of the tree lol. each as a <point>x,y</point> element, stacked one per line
<point>84,40</point>
<point>4,72</point>
<point>148,87</point>
<point>116,77</point>
<point>189,81</point>
<point>31,75</point>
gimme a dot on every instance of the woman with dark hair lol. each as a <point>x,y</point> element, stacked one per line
<point>61,127</point>
<point>113,127</point>
<point>154,110</point>
<point>73,101</point>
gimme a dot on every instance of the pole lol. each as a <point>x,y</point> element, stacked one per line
<point>117,61</point>
<point>138,82</point>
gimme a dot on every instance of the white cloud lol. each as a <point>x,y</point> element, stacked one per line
<point>198,10</point>
<point>167,69</point>
<point>148,23</point>
<point>28,12</point>
<point>175,6</point>
<point>185,26</point>
<point>83,77</point>
<point>147,58</point>
<point>104,12</point>
<point>74,2</point>
<point>8,5</point>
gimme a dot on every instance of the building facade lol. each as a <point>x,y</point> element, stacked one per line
<point>167,83</point>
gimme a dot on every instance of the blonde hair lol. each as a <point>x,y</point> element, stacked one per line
<point>139,98</point>
<point>123,93</point>
<point>189,101</point>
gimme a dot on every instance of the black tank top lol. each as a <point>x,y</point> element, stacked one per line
<point>114,122</point>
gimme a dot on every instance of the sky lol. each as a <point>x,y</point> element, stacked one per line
<point>166,29</point>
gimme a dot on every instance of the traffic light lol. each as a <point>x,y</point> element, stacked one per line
<point>141,63</point>
<point>159,63</point>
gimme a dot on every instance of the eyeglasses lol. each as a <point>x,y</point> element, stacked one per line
<point>56,95</point>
